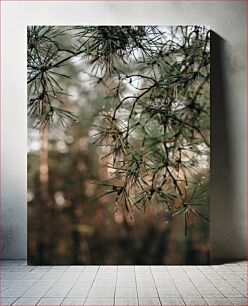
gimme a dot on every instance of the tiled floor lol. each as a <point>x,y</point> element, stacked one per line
<point>123,285</point>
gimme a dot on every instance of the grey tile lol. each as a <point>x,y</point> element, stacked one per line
<point>158,269</point>
<point>38,290</point>
<point>144,282</point>
<point>99,301</point>
<point>7,300</point>
<point>51,276</point>
<point>143,275</point>
<point>125,283</point>
<point>211,292</point>
<point>58,268</point>
<point>12,262</point>
<point>164,282</point>
<point>91,269</point>
<point>79,291</point>
<point>33,275</point>
<point>165,292</point>
<point>194,301</point>
<point>126,275</point>
<point>167,301</point>
<point>102,292</point>
<point>83,279</point>
<point>27,301</point>
<point>147,292</point>
<point>217,301</point>
<point>229,291</point>
<point>15,275</point>
<point>103,283</point>
<point>238,301</point>
<point>58,291</point>
<point>42,268</point>
<point>75,269</point>
<point>50,301</point>
<point>142,269</point>
<point>73,301</point>
<point>106,273</point>
<point>108,269</point>
<point>71,275</point>
<point>13,292</point>
<point>126,292</point>
<point>149,301</point>
<point>162,276</point>
<point>121,301</point>
<point>125,269</point>
<point>219,284</point>
<point>24,268</point>
<point>189,292</point>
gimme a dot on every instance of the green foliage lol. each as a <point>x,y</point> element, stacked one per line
<point>45,57</point>
<point>155,121</point>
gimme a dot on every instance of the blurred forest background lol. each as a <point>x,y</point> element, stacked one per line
<point>118,145</point>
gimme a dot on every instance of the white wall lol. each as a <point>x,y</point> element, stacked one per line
<point>229,97</point>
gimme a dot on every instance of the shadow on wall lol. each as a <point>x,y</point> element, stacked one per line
<point>222,208</point>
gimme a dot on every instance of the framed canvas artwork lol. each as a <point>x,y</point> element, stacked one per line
<point>118,145</point>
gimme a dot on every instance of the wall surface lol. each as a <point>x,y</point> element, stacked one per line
<point>227,20</point>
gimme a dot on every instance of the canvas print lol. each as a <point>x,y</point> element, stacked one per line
<point>118,145</point>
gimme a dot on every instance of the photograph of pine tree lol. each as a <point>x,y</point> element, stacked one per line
<point>118,145</point>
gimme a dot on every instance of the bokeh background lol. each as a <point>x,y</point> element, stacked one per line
<point>67,224</point>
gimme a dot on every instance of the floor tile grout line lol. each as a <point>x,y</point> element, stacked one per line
<point>236,304</point>
<point>115,284</point>
<point>33,285</point>
<point>26,290</point>
<point>192,283</point>
<point>237,273</point>
<point>15,266</point>
<point>73,283</point>
<point>204,298</point>
<point>207,275</point>
<point>87,295</point>
<point>20,297</point>
<point>38,301</point>
<point>135,277</point>
<point>210,281</point>
<point>14,301</point>
<point>226,266</point>
<point>50,267</point>
<point>25,263</point>
<point>40,279</point>
<point>230,283</point>
<point>155,285</point>
<point>175,285</point>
